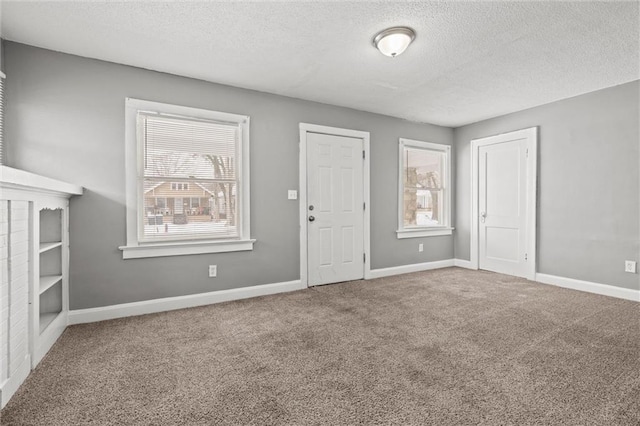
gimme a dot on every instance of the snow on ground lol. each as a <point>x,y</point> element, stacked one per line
<point>171,230</point>
<point>424,219</point>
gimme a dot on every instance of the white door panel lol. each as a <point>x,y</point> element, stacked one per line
<point>502,206</point>
<point>502,244</point>
<point>335,212</point>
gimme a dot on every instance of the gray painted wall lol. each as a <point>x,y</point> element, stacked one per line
<point>65,119</point>
<point>588,191</point>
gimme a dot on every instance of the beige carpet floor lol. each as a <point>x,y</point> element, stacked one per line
<point>444,347</point>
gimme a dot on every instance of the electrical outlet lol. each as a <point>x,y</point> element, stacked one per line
<point>630,266</point>
<point>420,247</point>
<point>213,271</point>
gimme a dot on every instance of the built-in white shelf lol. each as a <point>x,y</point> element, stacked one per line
<point>46,319</point>
<point>48,281</point>
<point>48,246</point>
<point>43,204</point>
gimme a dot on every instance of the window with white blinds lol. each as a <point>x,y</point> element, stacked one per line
<point>191,180</point>
<point>1,119</point>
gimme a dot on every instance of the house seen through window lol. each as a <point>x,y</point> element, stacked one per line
<point>190,181</point>
<point>424,188</point>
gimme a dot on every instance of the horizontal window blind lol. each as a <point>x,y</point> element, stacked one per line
<point>183,148</point>
<point>190,177</point>
<point>1,121</point>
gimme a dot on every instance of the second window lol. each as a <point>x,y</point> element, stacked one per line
<point>424,189</point>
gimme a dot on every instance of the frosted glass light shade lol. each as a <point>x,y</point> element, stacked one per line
<point>393,41</point>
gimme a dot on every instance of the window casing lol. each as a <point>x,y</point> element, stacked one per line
<point>187,180</point>
<point>424,189</point>
<point>1,118</point>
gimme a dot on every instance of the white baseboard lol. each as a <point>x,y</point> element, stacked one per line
<point>590,287</point>
<point>81,316</point>
<point>11,385</point>
<point>462,263</point>
<point>405,269</point>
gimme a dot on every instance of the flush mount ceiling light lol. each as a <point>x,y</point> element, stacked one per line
<point>393,41</point>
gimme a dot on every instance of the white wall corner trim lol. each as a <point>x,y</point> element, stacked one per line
<point>463,264</point>
<point>81,316</point>
<point>11,385</point>
<point>406,269</point>
<point>590,287</point>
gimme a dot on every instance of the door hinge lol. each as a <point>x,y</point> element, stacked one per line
<point>364,206</point>
<point>525,256</point>
<point>527,152</point>
<point>364,257</point>
<point>362,154</point>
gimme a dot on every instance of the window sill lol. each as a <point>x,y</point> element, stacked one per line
<point>185,248</point>
<point>424,232</point>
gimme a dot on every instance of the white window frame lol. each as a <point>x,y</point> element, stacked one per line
<point>2,112</point>
<point>424,231</point>
<point>134,191</point>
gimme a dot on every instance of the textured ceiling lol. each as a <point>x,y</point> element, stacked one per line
<point>470,60</point>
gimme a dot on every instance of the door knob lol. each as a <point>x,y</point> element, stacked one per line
<point>311,218</point>
<point>483,216</point>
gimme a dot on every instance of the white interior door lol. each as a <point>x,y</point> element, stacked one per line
<point>506,204</point>
<point>335,239</point>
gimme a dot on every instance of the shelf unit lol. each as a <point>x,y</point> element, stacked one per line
<point>49,298</point>
<point>34,259</point>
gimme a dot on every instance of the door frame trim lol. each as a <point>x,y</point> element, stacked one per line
<point>306,128</point>
<point>531,134</point>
